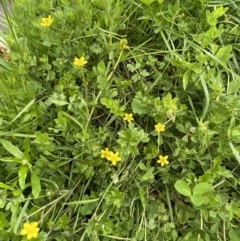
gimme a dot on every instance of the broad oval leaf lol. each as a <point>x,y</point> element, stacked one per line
<point>197,200</point>
<point>183,216</point>
<point>201,188</point>
<point>183,188</point>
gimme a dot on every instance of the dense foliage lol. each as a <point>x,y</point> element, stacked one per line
<point>119,120</point>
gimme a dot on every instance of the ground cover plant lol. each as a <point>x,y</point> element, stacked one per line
<point>119,120</point>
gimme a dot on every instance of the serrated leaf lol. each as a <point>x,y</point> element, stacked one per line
<point>102,82</point>
<point>224,53</point>
<point>233,86</point>
<point>113,105</point>
<point>138,107</point>
<point>101,67</point>
<point>183,188</point>
<point>14,150</point>
<point>36,185</point>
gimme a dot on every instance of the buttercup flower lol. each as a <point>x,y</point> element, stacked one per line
<point>47,21</point>
<point>80,62</point>
<point>30,229</point>
<point>163,160</point>
<point>105,153</point>
<point>128,117</point>
<point>114,157</point>
<point>160,127</point>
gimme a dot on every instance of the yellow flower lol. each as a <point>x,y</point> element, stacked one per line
<point>128,117</point>
<point>163,160</point>
<point>47,21</point>
<point>160,127</point>
<point>80,62</point>
<point>30,229</point>
<point>114,157</point>
<point>123,44</point>
<point>105,153</point>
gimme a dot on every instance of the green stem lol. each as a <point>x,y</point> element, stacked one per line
<point>169,204</point>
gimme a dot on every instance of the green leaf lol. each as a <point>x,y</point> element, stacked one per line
<point>5,186</point>
<point>234,235</point>
<point>103,4</point>
<point>25,109</point>
<point>102,82</point>
<point>102,78</point>
<point>233,86</point>
<point>85,210</point>
<point>138,107</point>
<point>113,105</point>
<point>183,188</point>
<point>185,79</point>
<point>36,185</point>
<point>101,67</point>
<point>183,216</point>
<point>235,152</point>
<point>4,66</point>
<point>142,166</point>
<point>57,99</point>
<point>140,234</point>
<point>90,226</point>
<point>215,227</point>
<point>4,235</point>
<point>197,200</point>
<point>148,176</point>
<point>114,197</point>
<point>2,221</point>
<point>201,188</point>
<point>151,224</point>
<point>22,174</point>
<point>217,162</point>
<point>224,53</point>
<point>174,234</point>
<point>206,106</point>
<point>148,2</point>
<point>74,203</point>
<point>14,150</point>
<point>46,40</point>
